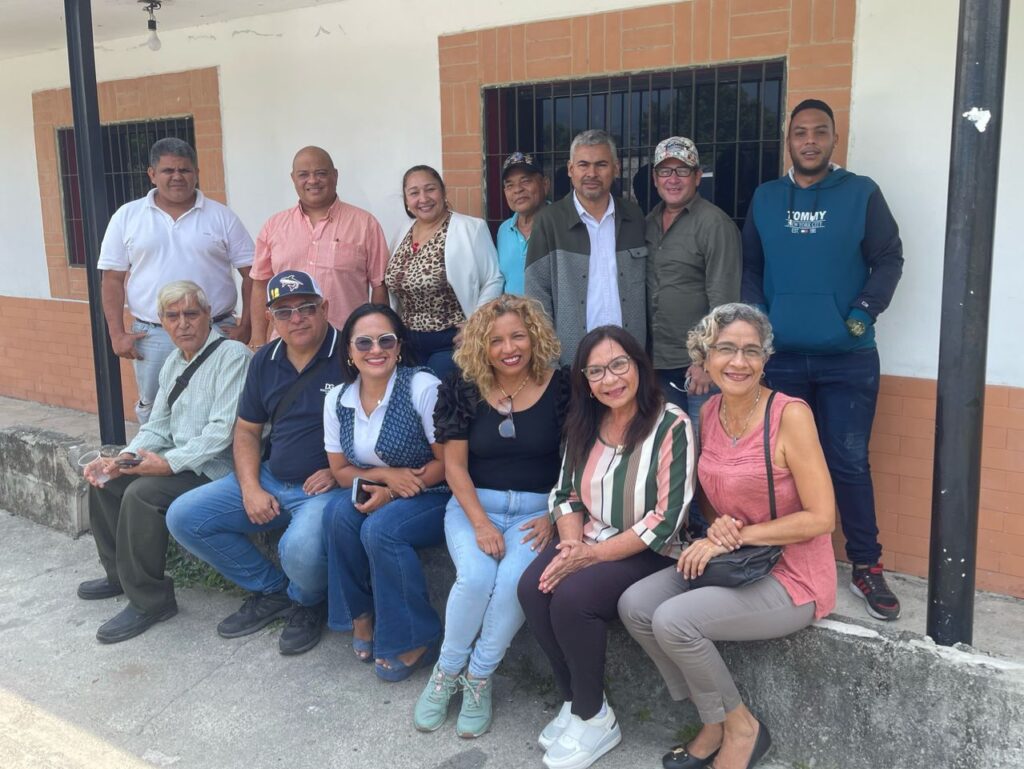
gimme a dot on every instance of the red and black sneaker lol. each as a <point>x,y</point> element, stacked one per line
<point>868,582</point>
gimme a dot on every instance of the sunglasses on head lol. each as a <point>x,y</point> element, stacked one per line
<point>384,342</point>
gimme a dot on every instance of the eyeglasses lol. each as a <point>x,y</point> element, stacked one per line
<point>617,366</point>
<point>304,311</point>
<point>384,342</point>
<point>506,427</point>
<point>173,316</point>
<point>665,173</point>
<point>728,351</point>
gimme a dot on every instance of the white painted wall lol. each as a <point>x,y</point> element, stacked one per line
<point>361,79</point>
<point>901,119</point>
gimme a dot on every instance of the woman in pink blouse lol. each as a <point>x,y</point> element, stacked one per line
<point>677,626</point>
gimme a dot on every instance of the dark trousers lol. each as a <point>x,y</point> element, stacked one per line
<point>842,391</point>
<point>571,623</point>
<point>434,349</point>
<point>128,524</point>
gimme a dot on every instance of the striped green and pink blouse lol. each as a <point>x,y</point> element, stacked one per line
<point>647,489</point>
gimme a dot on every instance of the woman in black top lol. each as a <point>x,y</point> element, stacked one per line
<point>500,422</point>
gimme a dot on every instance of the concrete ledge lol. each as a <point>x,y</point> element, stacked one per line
<point>37,482</point>
<point>842,693</point>
<point>838,694</point>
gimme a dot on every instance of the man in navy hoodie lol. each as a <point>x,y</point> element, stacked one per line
<point>822,254</point>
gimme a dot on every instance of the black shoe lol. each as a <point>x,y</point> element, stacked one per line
<point>132,622</point>
<point>257,612</point>
<point>868,583</point>
<point>95,589</point>
<point>304,628</point>
<point>679,758</point>
<point>761,746</point>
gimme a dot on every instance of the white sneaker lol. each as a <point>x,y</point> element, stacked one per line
<point>583,742</point>
<point>555,726</point>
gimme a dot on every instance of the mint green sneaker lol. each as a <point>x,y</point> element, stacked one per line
<point>431,709</point>
<point>475,713</point>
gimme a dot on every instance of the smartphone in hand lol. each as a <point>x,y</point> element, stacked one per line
<point>360,495</point>
<point>132,461</point>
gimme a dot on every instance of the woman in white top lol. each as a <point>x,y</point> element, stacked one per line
<point>443,266</point>
<point>379,428</point>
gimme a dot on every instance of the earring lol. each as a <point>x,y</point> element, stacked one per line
<point>591,393</point>
<point>350,363</point>
<point>399,360</point>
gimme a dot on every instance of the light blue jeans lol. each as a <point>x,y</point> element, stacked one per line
<point>154,348</point>
<point>213,525</point>
<point>483,600</point>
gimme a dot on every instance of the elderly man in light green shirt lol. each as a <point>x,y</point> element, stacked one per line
<point>185,443</point>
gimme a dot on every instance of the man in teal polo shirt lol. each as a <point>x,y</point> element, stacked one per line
<point>526,191</point>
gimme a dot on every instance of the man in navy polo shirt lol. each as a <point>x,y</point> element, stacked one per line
<point>288,489</point>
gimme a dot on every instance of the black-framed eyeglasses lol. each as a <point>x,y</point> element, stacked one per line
<point>617,366</point>
<point>304,310</point>
<point>384,341</point>
<point>506,427</point>
<point>667,171</point>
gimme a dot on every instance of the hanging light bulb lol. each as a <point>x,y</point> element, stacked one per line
<point>153,41</point>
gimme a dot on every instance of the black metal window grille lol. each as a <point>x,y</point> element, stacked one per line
<point>126,158</point>
<point>733,113</point>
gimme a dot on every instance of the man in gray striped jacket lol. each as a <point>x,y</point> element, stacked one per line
<point>586,261</point>
<point>185,443</point>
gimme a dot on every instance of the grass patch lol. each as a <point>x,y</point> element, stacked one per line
<point>188,571</point>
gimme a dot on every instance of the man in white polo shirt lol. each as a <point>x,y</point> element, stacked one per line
<point>174,233</point>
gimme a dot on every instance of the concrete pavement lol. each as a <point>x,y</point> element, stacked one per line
<point>180,696</point>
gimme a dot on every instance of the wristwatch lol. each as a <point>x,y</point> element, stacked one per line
<point>856,327</point>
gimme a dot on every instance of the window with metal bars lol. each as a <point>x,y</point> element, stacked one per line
<point>126,156</point>
<point>733,113</point>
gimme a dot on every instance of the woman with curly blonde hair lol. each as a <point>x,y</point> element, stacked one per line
<point>500,421</point>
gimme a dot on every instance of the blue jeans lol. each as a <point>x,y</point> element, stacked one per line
<point>154,347</point>
<point>210,522</point>
<point>483,599</point>
<point>372,567</point>
<point>673,386</point>
<point>434,350</point>
<point>842,391</point>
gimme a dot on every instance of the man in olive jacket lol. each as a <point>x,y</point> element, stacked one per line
<point>587,258</point>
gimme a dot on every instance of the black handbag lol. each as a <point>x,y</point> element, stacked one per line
<point>748,563</point>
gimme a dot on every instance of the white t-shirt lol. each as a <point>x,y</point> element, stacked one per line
<point>366,427</point>
<point>203,245</point>
<point>603,304</point>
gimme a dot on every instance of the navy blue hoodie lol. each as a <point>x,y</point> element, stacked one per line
<point>815,256</point>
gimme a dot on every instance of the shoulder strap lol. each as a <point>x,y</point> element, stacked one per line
<point>768,454</point>
<point>293,392</point>
<point>183,379</point>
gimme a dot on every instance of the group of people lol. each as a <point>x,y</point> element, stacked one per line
<point>555,410</point>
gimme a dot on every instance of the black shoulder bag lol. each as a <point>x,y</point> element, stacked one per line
<point>183,379</point>
<point>288,399</point>
<point>751,562</point>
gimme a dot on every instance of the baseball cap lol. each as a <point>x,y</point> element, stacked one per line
<point>678,147</point>
<point>291,283</point>
<point>519,160</point>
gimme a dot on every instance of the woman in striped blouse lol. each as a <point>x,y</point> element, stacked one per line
<point>619,507</point>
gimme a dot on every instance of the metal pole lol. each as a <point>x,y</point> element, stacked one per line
<point>963,340</point>
<point>95,211</point>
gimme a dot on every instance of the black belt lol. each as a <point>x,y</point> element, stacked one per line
<point>218,319</point>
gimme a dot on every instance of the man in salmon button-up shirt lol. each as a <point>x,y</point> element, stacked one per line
<point>341,246</point>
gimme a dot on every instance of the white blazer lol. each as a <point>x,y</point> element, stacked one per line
<point>470,262</point>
